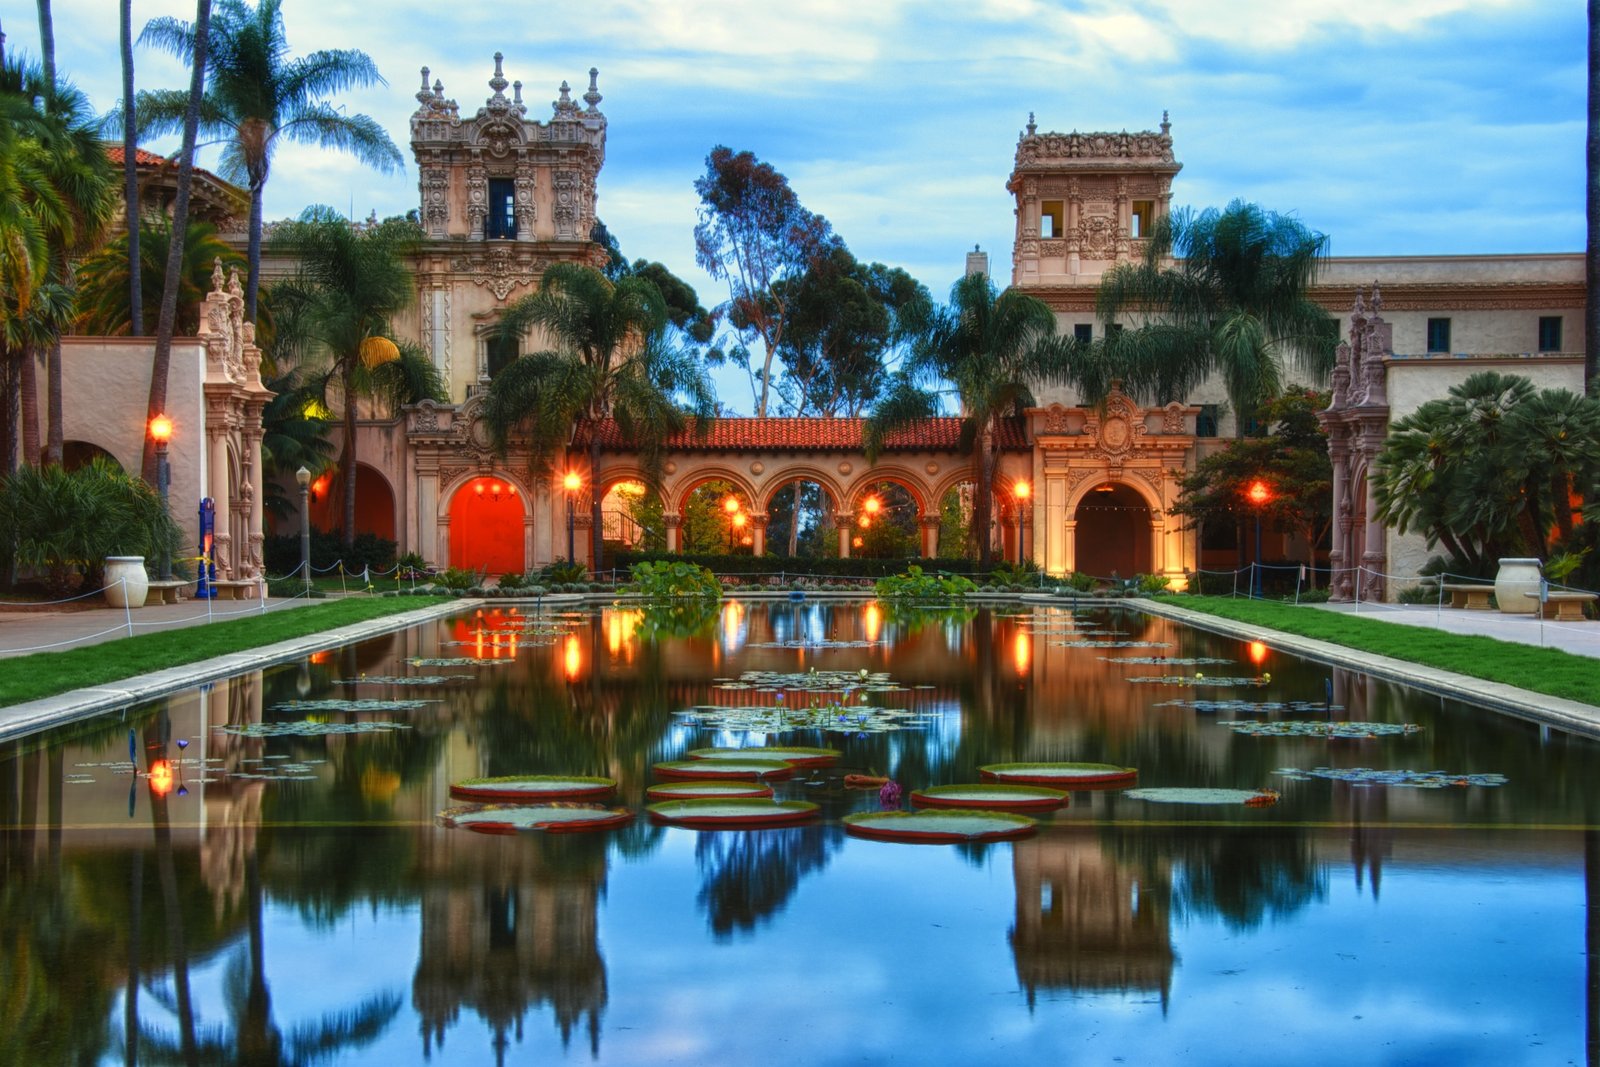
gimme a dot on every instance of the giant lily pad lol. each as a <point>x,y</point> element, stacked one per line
<point>1194,795</point>
<point>990,795</point>
<point>529,787</point>
<point>551,818</point>
<point>1366,776</point>
<point>834,718</point>
<point>709,790</point>
<point>308,707</point>
<point>726,768</point>
<point>1251,707</point>
<point>717,813</point>
<point>939,827</point>
<point>311,728</point>
<point>1345,731</point>
<point>795,754</point>
<point>1198,679</point>
<point>1060,775</point>
<point>1166,661</point>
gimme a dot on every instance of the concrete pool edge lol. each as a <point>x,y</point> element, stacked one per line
<point>1567,714</point>
<point>33,716</point>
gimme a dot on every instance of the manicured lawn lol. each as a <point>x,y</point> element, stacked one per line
<point>48,673</point>
<point>1542,670</point>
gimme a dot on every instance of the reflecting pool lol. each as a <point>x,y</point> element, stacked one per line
<point>254,872</point>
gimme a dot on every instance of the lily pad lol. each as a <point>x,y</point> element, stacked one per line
<point>939,827</point>
<point>533,787</point>
<point>991,795</point>
<point>797,755</point>
<point>312,707</point>
<point>692,790</point>
<point>1166,661</point>
<point>1196,795</point>
<point>1069,775</point>
<point>551,818</point>
<point>406,679</point>
<point>1195,680</point>
<point>1337,731</point>
<point>1251,707</point>
<point>717,813</point>
<point>309,728</point>
<point>757,769</point>
<point>1366,776</point>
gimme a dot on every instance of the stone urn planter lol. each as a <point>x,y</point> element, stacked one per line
<point>127,584</point>
<point>1516,577</point>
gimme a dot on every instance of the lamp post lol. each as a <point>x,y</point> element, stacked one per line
<point>303,478</point>
<point>161,433</point>
<point>571,483</point>
<point>730,507</point>
<point>1023,491</point>
<point>1259,493</point>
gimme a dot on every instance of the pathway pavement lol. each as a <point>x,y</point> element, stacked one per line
<point>1579,638</point>
<point>22,632</point>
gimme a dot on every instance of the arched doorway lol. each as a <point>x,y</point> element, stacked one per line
<point>800,519</point>
<point>1113,532</point>
<point>76,454</point>
<point>374,502</point>
<point>487,526</point>
<point>633,518</point>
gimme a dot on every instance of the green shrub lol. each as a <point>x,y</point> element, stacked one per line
<point>564,572</point>
<point>1424,592</point>
<point>1079,582</point>
<point>282,553</point>
<point>458,579</point>
<point>789,566</point>
<point>666,580</point>
<point>1150,584</point>
<point>916,585</point>
<point>65,523</point>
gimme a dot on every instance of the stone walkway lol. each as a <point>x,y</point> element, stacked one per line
<point>1579,638</point>
<point>22,632</point>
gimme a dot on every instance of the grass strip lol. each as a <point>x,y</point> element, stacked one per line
<point>1550,671</point>
<point>44,674</point>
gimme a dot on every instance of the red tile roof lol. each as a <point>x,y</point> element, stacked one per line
<point>731,434</point>
<point>149,159</point>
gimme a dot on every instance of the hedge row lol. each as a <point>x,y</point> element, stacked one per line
<point>854,567</point>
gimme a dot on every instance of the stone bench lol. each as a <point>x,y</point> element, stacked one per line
<point>165,592</point>
<point>236,589</point>
<point>1568,607</point>
<point>1470,597</point>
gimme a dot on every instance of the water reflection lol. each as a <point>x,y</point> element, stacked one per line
<point>268,900</point>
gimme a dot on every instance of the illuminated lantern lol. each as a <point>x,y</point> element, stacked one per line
<point>376,351</point>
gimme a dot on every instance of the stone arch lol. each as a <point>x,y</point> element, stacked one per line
<point>76,454</point>
<point>376,506</point>
<point>952,480</point>
<point>913,483</point>
<point>619,527</point>
<point>1123,538</point>
<point>678,497</point>
<point>488,534</point>
<point>775,482</point>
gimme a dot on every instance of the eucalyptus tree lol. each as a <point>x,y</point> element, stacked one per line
<point>610,358</point>
<point>258,96</point>
<point>334,318</point>
<point>991,348</point>
<point>1235,302</point>
<point>754,233</point>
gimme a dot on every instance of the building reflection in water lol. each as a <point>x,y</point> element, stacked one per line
<point>1087,923</point>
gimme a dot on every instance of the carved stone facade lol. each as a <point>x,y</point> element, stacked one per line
<point>502,197</point>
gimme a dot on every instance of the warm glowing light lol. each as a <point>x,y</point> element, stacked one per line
<point>325,656</point>
<point>573,658</point>
<point>873,505</point>
<point>1022,653</point>
<point>160,777</point>
<point>161,429</point>
<point>1023,490</point>
<point>376,351</point>
<point>479,488</point>
<point>857,542</point>
<point>866,522</point>
<point>315,409</point>
<point>732,615</point>
<point>495,489</point>
<point>747,540</point>
<point>511,490</point>
<point>730,504</point>
<point>630,488</point>
<point>571,482</point>
<point>1259,492</point>
<point>1258,653</point>
<point>874,622</point>
<point>739,520</point>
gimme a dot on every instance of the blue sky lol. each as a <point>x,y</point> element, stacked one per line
<point>1394,126</point>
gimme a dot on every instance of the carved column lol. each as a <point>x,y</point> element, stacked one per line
<point>217,439</point>
<point>1158,545</point>
<point>845,521</point>
<point>477,199</point>
<point>930,535</point>
<point>1069,545</point>
<point>1339,455</point>
<point>257,528</point>
<point>674,525</point>
<point>758,533</point>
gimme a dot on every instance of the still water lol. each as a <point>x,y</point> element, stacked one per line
<point>266,898</point>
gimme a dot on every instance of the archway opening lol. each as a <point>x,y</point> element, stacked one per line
<point>956,540</point>
<point>800,521</point>
<point>76,454</point>
<point>374,502</point>
<point>633,518</point>
<point>717,520</point>
<point>1113,532</point>
<point>487,527</point>
<point>885,517</point>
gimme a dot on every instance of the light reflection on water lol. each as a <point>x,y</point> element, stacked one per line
<point>303,893</point>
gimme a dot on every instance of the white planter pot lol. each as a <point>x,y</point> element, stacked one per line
<point>1516,577</point>
<point>126,582</point>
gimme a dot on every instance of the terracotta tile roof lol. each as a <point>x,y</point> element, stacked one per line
<point>731,434</point>
<point>149,159</point>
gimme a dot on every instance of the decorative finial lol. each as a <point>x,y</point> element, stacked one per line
<point>1360,310</point>
<point>424,79</point>
<point>438,89</point>
<point>1032,126</point>
<point>1377,298</point>
<point>593,97</point>
<point>498,83</point>
<point>516,93</point>
<point>424,97</point>
<point>1166,127</point>
<point>217,281</point>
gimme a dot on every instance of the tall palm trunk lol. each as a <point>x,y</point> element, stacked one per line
<point>55,438</point>
<point>794,523</point>
<point>47,42</point>
<point>166,322</point>
<point>30,407</point>
<point>596,528</point>
<point>983,500</point>
<point>130,174</point>
<point>47,59</point>
<point>347,462</point>
<point>252,281</point>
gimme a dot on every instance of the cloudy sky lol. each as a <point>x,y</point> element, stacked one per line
<point>1394,126</point>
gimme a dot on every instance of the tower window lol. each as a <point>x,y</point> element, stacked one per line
<point>499,353</point>
<point>1206,424</point>
<point>1438,335</point>
<point>1549,333</point>
<point>1050,219</point>
<point>1083,333</point>
<point>502,221</point>
<point>1142,216</point>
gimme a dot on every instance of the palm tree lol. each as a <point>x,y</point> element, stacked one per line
<point>1235,303</point>
<point>258,96</point>
<point>130,172</point>
<point>992,348</point>
<point>612,359</point>
<point>103,282</point>
<point>333,322</point>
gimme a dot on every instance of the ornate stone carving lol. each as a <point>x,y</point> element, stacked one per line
<point>1097,235</point>
<point>499,269</point>
<point>477,198</point>
<point>1146,146</point>
<point>1118,427</point>
<point>1055,420</point>
<point>1172,418</point>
